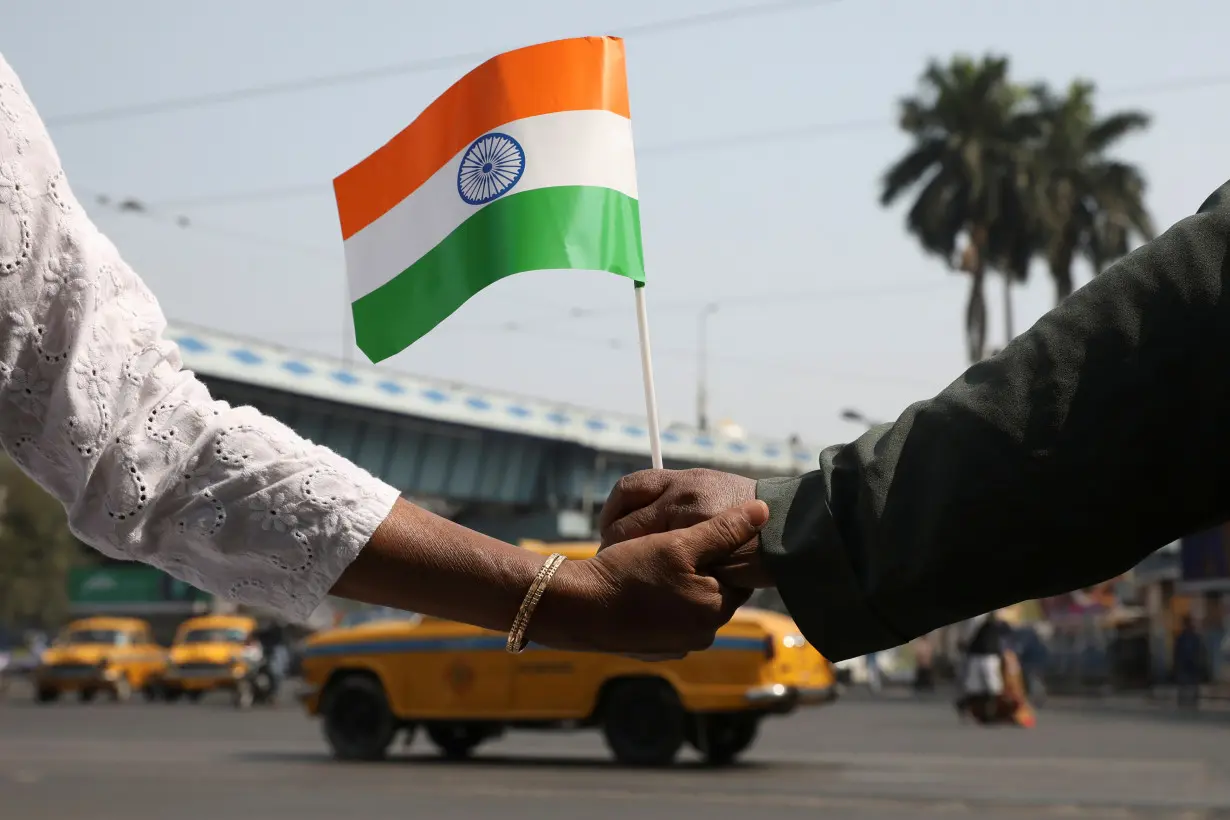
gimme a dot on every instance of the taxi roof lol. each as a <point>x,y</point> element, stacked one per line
<point>107,622</point>
<point>218,622</point>
<point>572,550</point>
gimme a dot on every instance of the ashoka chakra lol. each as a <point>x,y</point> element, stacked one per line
<point>490,168</point>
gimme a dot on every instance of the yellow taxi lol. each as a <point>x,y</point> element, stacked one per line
<point>212,653</point>
<point>113,655</point>
<point>457,682</point>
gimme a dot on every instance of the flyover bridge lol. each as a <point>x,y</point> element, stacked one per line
<point>509,466</point>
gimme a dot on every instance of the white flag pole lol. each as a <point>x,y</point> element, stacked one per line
<point>651,397</point>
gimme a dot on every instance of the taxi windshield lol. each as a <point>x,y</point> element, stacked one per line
<point>110,637</point>
<point>214,635</point>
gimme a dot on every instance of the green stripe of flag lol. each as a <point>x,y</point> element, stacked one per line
<point>572,227</point>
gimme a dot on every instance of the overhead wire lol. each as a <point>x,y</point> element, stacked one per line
<point>533,327</point>
<point>759,363</point>
<point>818,130</point>
<point>195,101</point>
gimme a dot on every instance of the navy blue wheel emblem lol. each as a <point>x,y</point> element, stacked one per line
<point>490,168</point>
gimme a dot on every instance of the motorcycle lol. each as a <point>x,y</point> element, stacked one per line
<point>261,685</point>
<point>258,688</point>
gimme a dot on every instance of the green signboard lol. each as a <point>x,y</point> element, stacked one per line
<point>112,584</point>
<point>177,590</point>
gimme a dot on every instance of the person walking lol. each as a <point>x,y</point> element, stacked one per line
<point>874,673</point>
<point>1189,664</point>
<point>982,673</point>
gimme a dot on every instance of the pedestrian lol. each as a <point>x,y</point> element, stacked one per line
<point>1050,467</point>
<point>1188,664</point>
<point>982,680</point>
<point>96,407</point>
<point>1032,653</point>
<point>874,682</point>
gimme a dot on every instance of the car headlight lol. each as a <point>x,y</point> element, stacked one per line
<point>794,641</point>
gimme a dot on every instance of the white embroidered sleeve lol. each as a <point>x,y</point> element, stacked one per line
<point>95,407</point>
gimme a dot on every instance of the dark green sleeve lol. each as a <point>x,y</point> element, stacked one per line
<point>1098,436</point>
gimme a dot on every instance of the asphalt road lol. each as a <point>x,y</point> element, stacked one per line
<point>889,759</point>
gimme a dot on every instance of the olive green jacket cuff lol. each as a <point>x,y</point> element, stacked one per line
<point>805,554</point>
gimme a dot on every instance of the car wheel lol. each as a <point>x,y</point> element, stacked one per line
<point>194,696</point>
<point>172,695</point>
<point>86,695</point>
<point>151,692</point>
<point>45,694</point>
<point>722,738</point>
<point>457,740</point>
<point>121,690</point>
<point>358,723</point>
<point>644,723</point>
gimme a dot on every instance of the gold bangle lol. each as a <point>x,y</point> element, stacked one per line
<point>516,635</point>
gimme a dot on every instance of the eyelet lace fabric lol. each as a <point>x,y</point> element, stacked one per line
<point>95,407</point>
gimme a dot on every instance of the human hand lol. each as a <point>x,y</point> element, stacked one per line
<point>656,501</point>
<point>649,596</point>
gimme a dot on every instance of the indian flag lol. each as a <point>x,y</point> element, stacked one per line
<point>526,163</point>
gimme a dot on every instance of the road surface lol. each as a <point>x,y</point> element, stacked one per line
<point>887,759</point>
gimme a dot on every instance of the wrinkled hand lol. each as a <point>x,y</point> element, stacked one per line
<point>656,501</point>
<point>649,596</point>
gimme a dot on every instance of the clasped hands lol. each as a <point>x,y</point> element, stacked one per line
<point>679,554</point>
<point>659,501</point>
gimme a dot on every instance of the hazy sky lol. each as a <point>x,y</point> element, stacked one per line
<point>748,197</point>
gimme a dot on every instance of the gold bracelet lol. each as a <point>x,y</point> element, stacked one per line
<point>516,635</point>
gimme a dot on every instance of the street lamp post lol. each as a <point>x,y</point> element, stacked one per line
<point>702,363</point>
<point>858,417</point>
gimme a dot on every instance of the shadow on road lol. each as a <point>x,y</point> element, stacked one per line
<point>1088,707</point>
<point>1110,709</point>
<point>512,762</point>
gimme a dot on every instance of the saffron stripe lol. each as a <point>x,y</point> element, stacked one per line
<point>566,75</point>
<point>575,148</point>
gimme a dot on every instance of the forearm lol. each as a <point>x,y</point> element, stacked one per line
<point>96,408</point>
<point>420,562</point>
<point>1092,440</point>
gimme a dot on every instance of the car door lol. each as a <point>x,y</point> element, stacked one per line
<point>455,672</point>
<point>550,684</point>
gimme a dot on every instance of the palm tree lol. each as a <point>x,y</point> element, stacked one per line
<point>1089,204</point>
<point>1014,244</point>
<point>971,129</point>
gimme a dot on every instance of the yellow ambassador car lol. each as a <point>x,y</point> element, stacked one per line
<point>211,653</point>
<point>458,683</point>
<point>113,655</point>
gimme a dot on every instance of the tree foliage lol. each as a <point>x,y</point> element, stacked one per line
<point>1003,174</point>
<point>37,551</point>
